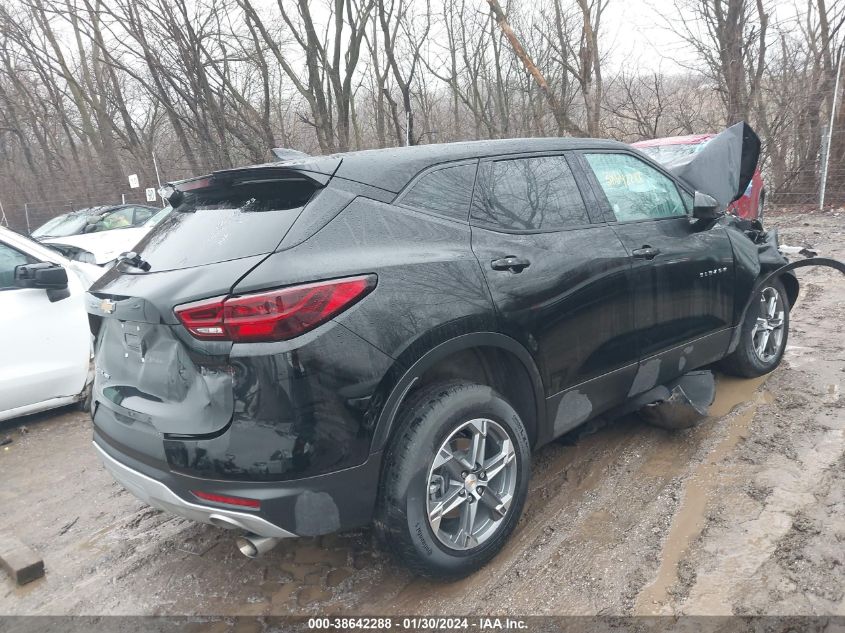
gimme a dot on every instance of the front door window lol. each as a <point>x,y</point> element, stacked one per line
<point>635,190</point>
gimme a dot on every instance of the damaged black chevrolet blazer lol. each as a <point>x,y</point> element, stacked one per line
<point>385,336</point>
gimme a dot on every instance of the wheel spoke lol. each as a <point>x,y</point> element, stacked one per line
<point>763,342</point>
<point>479,439</point>
<point>767,333</point>
<point>454,464</point>
<point>464,536</point>
<point>495,464</point>
<point>451,500</point>
<point>498,506</point>
<point>771,305</point>
<point>776,322</point>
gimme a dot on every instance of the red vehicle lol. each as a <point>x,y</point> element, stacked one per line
<point>664,150</point>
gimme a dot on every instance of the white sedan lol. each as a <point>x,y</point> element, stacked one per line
<point>45,341</point>
<point>103,247</point>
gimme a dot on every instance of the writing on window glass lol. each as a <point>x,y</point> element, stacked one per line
<point>634,189</point>
<point>621,179</point>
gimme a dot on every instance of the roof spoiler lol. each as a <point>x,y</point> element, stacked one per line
<point>173,192</point>
<point>284,153</point>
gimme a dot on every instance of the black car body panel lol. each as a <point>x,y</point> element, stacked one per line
<point>145,373</point>
<point>294,415</point>
<point>566,317</point>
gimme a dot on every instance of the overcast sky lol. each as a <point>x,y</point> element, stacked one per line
<point>638,33</point>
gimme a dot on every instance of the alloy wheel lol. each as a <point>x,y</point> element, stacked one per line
<point>471,484</point>
<point>767,333</point>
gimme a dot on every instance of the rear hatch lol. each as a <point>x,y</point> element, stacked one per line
<point>151,374</point>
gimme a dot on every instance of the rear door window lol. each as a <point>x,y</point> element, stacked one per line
<point>225,222</point>
<point>528,194</point>
<point>635,190</point>
<point>446,191</point>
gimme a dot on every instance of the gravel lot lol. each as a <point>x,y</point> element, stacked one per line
<point>744,514</point>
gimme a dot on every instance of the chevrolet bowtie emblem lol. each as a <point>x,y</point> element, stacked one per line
<point>107,306</point>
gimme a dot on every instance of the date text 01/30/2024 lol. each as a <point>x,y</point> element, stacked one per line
<point>419,623</point>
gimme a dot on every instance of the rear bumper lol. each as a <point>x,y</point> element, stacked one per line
<point>160,496</point>
<point>304,507</point>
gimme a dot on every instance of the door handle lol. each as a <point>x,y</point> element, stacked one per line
<point>511,263</point>
<point>646,252</point>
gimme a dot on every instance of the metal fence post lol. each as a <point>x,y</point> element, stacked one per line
<point>26,214</point>
<point>826,155</point>
<point>158,177</point>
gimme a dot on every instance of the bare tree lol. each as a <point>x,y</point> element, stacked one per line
<point>89,89</point>
<point>730,38</point>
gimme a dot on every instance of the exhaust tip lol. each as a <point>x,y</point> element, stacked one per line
<point>252,545</point>
<point>247,547</point>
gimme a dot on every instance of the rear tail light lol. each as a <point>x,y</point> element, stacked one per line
<point>241,502</point>
<point>276,315</point>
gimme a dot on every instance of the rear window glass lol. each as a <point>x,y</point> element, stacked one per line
<point>224,223</point>
<point>447,191</point>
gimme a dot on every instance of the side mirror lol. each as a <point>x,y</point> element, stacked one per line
<point>42,275</point>
<point>90,228</point>
<point>705,207</point>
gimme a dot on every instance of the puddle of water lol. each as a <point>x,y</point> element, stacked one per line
<point>691,517</point>
<point>731,391</point>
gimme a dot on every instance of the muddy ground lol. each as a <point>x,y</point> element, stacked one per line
<point>744,514</point>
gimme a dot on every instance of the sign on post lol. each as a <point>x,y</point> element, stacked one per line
<point>151,194</point>
<point>133,181</point>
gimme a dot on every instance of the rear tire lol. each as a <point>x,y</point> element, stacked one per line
<point>764,335</point>
<point>455,479</point>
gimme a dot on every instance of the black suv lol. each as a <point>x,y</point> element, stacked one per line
<point>385,336</point>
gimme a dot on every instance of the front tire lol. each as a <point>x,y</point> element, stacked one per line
<point>765,332</point>
<point>455,479</point>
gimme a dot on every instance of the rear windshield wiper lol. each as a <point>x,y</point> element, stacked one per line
<point>134,260</point>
